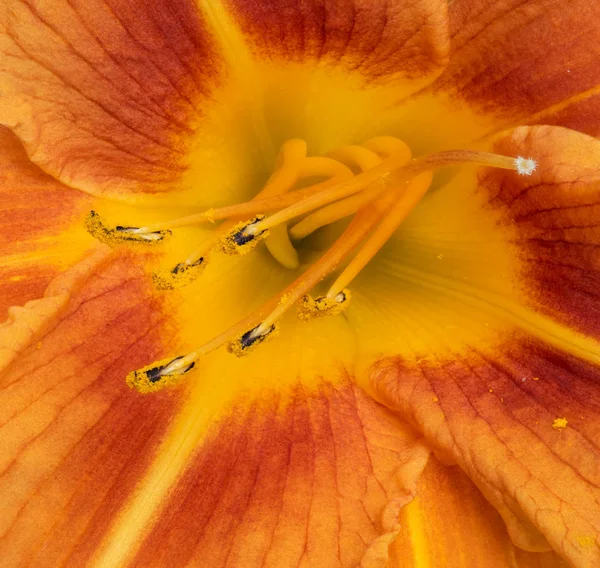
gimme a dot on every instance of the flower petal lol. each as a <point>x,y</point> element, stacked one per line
<point>381,40</point>
<point>490,348</point>
<point>38,219</point>
<point>556,213</point>
<point>258,466</point>
<point>523,61</point>
<point>103,93</point>
<point>281,483</point>
<point>495,414</point>
<point>74,440</point>
<point>449,523</point>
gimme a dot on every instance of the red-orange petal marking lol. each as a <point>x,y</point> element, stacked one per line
<point>557,214</point>
<point>516,59</point>
<point>34,210</point>
<point>493,414</point>
<point>382,40</point>
<point>75,439</point>
<point>103,92</point>
<point>300,484</point>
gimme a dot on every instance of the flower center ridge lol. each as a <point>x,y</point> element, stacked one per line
<point>377,184</point>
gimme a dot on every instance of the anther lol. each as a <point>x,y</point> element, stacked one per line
<point>241,239</point>
<point>158,375</point>
<point>112,236</point>
<point>309,308</point>
<point>181,275</point>
<point>248,341</point>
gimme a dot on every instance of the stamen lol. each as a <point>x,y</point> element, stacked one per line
<point>312,168</point>
<point>289,163</point>
<point>259,332</point>
<point>384,144</point>
<point>381,177</point>
<point>400,210</point>
<point>358,156</point>
<point>381,196</point>
<point>361,225</point>
<point>286,174</point>
<point>112,236</point>
<point>309,308</point>
<point>158,375</point>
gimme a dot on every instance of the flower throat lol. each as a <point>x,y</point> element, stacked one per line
<point>377,183</point>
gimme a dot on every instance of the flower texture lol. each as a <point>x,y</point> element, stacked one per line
<point>436,404</point>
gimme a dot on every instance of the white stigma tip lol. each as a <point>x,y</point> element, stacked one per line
<point>525,166</point>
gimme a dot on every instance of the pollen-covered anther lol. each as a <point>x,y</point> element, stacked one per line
<point>158,375</point>
<point>240,239</point>
<point>179,276</point>
<point>250,340</point>
<point>525,166</point>
<point>113,236</point>
<point>309,307</point>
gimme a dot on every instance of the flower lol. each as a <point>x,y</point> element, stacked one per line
<point>473,333</point>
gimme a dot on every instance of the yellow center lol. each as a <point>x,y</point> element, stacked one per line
<point>377,184</point>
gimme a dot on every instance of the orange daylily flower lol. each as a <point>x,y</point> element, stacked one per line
<point>447,417</point>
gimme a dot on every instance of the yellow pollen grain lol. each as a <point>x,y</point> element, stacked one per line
<point>536,378</point>
<point>435,399</point>
<point>210,215</point>
<point>309,308</point>
<point>586,540</point>
<point>491,390</point>
<point>235,346</point>
<point>559,423</point>
<point>169,280</point>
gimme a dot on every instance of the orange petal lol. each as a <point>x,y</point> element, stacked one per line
<point>317,476</point>
<point>496,416</point>
<point>556,212</point>
<point>287,483</point>
<point>523,61</point>
<point>74,440</point>
<point>103,93</point>
<point>35,214</point>
<point>380,40</point>
<point>450,524</point>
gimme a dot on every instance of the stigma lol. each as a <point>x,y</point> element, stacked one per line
<point>376,185</point>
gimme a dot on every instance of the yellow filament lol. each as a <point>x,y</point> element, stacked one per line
<point>356,231</point>
<point>291,158</point>
<point>390,171</point>
<point>321,166</point>
<point>386,145</point>
<point>357,156</point>
<point>365,159</point>
<point>404,205</point>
